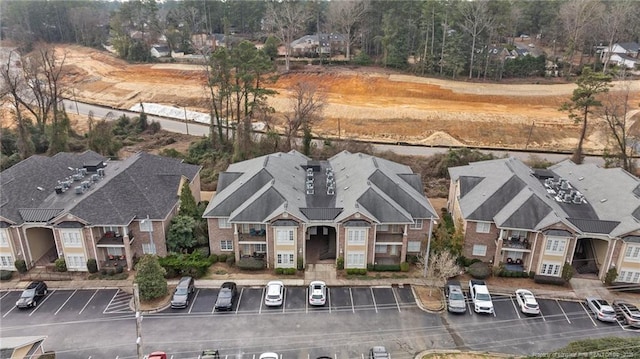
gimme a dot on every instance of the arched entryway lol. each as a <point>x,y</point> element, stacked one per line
<point>589,256</point>
<point>41,247</point>
<point>320,244</point>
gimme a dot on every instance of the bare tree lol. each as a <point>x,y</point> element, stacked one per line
<point>476,19</point>
<point>614,20</point>
<point>307,105</point>
<point>577,16</point>
<point>442,265</point>
<point>615,112</point>
<point>345,16</point>
<point>288,19</point>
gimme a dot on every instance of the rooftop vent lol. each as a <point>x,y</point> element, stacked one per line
<point>562,191</point>
<point>79,190</point>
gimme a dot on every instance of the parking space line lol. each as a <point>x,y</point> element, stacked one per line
<point>239,299</point>
<point>284,299</point>
<point>589,315</point>
<point>306,302</point>
<point>65,302</point>
<point>94,294</point>
<point>7,313</point>
<point>565,314</point>
<point>393,291</point>
<point>40,304</point>
<point>351,296</point>
<point>542,315</point>
<point>470,309</point>
<point>111,301</point>
<point>194,301</point>
<point>261,301</point>
<point>329,298</point>
<point>514,307</point>
<point>373,297</point>
<point>5,294</point>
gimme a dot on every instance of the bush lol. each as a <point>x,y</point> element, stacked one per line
<point>231,260</point>
<point>21,265</point>
<point>279,271</point>
<point>250,264</point>
<point>119,269</point>
<point>547,279</point>
<point>611,276</point>
<point>412,259</point>
<point>92,265</point>
<point>6,274</point>
<point>300,263</point>
<point>289,271</point>
<point>194,265</point>
<point>61,265</point>
<point>404,266</point>
<point>213,259</point>
<point>103,271</point>
<point>467,262</point>
<point>150,278</point>
<point>222,258</point>
<point>204,251</point>
<point>567,272</point>
<point>479,270</point>
<point>384,267</point>
<point>340,263</point>
<point>356,271</point>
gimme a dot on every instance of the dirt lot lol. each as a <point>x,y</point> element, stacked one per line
<point>365,103</point>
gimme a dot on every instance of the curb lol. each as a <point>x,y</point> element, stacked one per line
<point>422,307</point>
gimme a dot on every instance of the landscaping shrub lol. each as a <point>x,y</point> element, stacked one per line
<point>204,251</point>
<point>194,264</point>
<point>103,271</point>
<point>412,259</point>
<point>222,258</point>
<point>356,271</point>
<point>231,260</point>
<point>479,270</point>
<point>467,262</point>
<point>300,263</point>
<point>547,279</point>
<point>21,265</point>
<point>404,266</point>
<point>279,271</point>
<point>384,267</point>
<point>61,265</point>
<point>611,276</point>
<point>250,264</point>
<point>289,271</point>
<point>213,259</point>
<point>119,269</point>
<point>567,272</point>
<point>6,274</point>
<point>92,265</point>
<point>340,263</point>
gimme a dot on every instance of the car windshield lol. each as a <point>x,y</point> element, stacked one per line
<point>181,291</point>
<point>28,293</point>
<point>273,296</point>
<point>483,296</point>
<point>317,296</point>
<point>225,293</point>
<point>456,296</point>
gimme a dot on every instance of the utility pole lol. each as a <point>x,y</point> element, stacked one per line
<point>186,121</point>
<point>136,304</point>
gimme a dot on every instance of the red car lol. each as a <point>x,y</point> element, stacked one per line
<point>157,355</point>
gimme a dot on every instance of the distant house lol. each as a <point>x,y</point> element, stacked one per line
<point>81,206</point>
<point>285,207</point>
<point>21,347</point>
<point>204,41</point>
<point>160,51</point>
<point>325,44</point>
<point>623,54</point>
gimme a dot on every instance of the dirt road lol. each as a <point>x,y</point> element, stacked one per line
<point>365,103</point>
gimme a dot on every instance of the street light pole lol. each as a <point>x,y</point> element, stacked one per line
<point>136,304</point>
<point>186,121</point>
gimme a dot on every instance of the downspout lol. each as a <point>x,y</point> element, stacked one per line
<point>535,242</point>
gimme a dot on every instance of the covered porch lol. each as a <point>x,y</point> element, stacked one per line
<point>388,253</point>
<point>112,251</point>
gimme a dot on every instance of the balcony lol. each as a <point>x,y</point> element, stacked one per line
<point>389,237</point>
<point>516,243</point>
<point>253,235</point>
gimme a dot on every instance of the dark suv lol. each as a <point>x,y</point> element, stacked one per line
<point>182,295</point>
<point>226,297</point>
<point>32,294</point>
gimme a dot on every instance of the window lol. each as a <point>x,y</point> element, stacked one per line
<point>224,223</point>
<point>285,260</point>
<point>417,224</point>
<point>381,248</point>
<point>628,277</point>
<point>479,250</point>
<point>114,251</point>
<point>284,236</point>
<point>226,245</point>
<point>6,261</point>
<point>413,246</point>
<point>4,237</point>
<point>114,229</point>
<point>148,248</point>
<point>555,246</point>
<point>146,225</point>
<point>483,227</point>
<point>76,262</point>
<point>71,239</point>
<point>551,269</point>
<point>383,228</point>
<point>248,227</point>
<point>356,236</point>
<point>260,248</point>
<point>632,253</point>
<point>355,260</point>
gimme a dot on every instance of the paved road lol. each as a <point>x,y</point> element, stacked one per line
<point>198,129</point>
<point>99,324</point>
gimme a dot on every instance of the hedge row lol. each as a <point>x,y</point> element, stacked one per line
<point>250,264</point>
<point>287,271</point>
<point>547,279</point>
<point>513,274</point>
<point>356,271</point>
<point>194,264</point>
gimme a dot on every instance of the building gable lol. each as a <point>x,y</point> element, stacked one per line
<point>489,208</point>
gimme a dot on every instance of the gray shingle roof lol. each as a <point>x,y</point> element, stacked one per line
<point>527,216</point>
<point>467,183</point>
<point>594,225</point>
<point>497,200</point>
<point>141,185</point>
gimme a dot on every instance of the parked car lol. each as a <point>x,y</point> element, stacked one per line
<point>182,295</point>
<point>456,301</point>
<point>317,293</point>
<point>32,294</point>
<point>527,302</point>
<point>226,296</point>
<point>209,354</point>
<point>157,355</point>
<point>629,313</point>
<point>274,295</point>
<point>601,308</point>
<point>269,355</point>
<point>379,352</point>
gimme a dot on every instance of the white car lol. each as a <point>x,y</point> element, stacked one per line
<point>527,302</point>
<point>601,308</point>
<point>269,355</point>
<point>317,293</point>
<point>274,294</point>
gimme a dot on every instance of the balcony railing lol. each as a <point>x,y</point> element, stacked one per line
<point>389,237</point>
<point>516,243</point>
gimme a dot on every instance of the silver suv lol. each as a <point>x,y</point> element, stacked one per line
<point>182,295</point>
<point>456,301</point>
